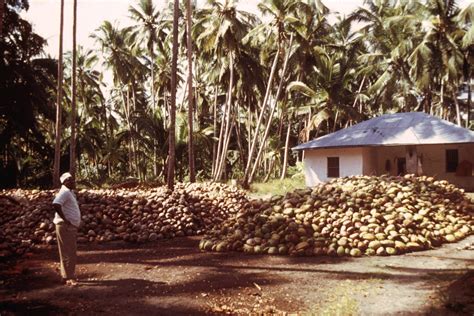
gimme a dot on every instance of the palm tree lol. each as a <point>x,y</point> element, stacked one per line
<point>390,33</point>
<point>465,18</point>
<point>174,71</point>
<point>147,15</point>
<point>128,74</point>
<point>72,161</point>
<point>192,176</point>
<point>439,52</point>
<point>90,104</point>
<point>57,148</point>
<point>223,29</point>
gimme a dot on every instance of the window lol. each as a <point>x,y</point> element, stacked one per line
<point>451,160</point>
<point>333,167</point>
<point>401,166</point>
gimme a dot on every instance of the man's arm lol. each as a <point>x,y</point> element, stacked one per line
<point>59,210</point>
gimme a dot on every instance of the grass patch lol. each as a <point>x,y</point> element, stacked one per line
<point>277,187</point>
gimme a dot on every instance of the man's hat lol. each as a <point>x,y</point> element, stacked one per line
<point>65,176</point>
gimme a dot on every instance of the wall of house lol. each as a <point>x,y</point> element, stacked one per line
<point>373,161</point>
<point>370,162</point>
<point>433,161</point>
<point>315,163</point>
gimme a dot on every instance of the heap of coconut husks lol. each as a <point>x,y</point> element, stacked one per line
<point>353,216</point>
<point>133,214</point>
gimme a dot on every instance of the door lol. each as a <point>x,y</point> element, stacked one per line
<point>401,166</point>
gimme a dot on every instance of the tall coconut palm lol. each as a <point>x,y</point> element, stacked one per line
<point>58,126</point>
<point>72,161</point>
<point>224,27</point>
<point>390,33</point>
<point>174,71</point>
<point>465,18</point>
<point>90,102</point>
<point>189,42</point>
<point>147,15</point>
<point>127,74</point>
<point>437,59</point>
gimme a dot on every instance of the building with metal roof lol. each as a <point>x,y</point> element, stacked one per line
<point>400,143</point>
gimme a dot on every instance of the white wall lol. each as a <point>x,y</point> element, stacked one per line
<point>372,160</point>
<point>433,161</point>
<point>315,163</point>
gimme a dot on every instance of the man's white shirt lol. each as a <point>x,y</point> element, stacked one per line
<point>67,199</point>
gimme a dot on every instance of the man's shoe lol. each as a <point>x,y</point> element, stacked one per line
<point>71,282</point>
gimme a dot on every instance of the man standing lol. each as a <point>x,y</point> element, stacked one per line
<point>67,219</point>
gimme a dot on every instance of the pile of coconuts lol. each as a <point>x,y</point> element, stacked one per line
<point>131,214</point>
<point>352,216</point>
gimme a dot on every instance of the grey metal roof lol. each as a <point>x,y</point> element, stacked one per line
<point>412,128</point>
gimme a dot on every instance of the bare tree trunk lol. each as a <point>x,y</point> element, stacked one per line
<point>335,120</point>
<point>192,176</point>
<point>442,98</point>
<point>458,111</point>
<point>260,118</point>
<point>272,111</point>
<point>72,160</point>
<point>308,132</point>
<point>468,121</point>
<point>57,147</point>
<point>135,142</point>
<point>174,63</point>
<point>269,171</point>
<point>153,106</point>
<point>222,158</point>
<point>358,92</point>
<point>220,144</point>
<point>285,157</point>
<point>125,102</point>
<point>214,145</point>
<point>239,140</point>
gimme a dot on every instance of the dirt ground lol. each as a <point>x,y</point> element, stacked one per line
<point>174,278</point>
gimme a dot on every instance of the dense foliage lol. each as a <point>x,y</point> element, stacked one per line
<point>261,85</point>
<point>26,110</point>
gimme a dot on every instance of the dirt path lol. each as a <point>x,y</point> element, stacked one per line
<point>174,278</point>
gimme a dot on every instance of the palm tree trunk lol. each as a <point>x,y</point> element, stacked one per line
<point>192,176</point>
<point>153,102</point>
<point>308,123</point>
<point>171,133</point>
<point>57,147</point>
<point>135,142</point>
<point>220,143</point>
<point>269,171</point>
<point>358,92</point>
<point>285,157</point>
<point>125,110</point>
<point>239,140</point>
<point>468,121</point>
<point>458,111</point>
<point>214,145</point>
<point>72,160</point>
<point>260,118</point>
<point>223,154</point>
<point>272,111</point>
<point>335,120</point>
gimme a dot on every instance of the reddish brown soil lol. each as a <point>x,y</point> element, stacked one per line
<point>175,278</point>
